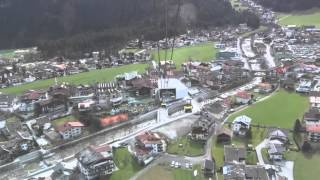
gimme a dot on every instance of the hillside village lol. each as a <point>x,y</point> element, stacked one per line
<point>190,115</point>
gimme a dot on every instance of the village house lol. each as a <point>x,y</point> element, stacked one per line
<point>20,145</point>
<point>265,88</point>
<point>278,135</point>
<point>235,154</point>
<point>243,97</point>
<point>147,146</point>
<point>209,168</point>
<point>313,132</point>
<point>70,130</point>
<point>9,103</point>
<point>200,129</point>
<point>256,172</point>
<point>4,131</point>
<point>96,161</point>
<point>304,86</point>
<point>314,99</point>
<point>28,99</point>
<point>276,151</point>
<point>151,141</point>
<point>224,136</point>
<point>241,125</point>
<point>236,171</point>
<point>232,171</point>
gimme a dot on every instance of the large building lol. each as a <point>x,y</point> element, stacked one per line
<point>171,89</point>
<point>151,141</point>
<point>96,161</point>
<point>70,130</point>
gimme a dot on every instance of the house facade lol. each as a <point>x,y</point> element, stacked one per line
<point>243,97</point>
<point>70,130</point>
<point>152,142</point>
<point>200,129</point>
<point>241,125</point>
<point>96,161</point>
<point>8,103</point>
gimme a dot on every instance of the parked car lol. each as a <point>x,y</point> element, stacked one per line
<point>172,164</point>
<point>177,165</point>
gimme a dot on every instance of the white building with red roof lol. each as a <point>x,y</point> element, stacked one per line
<point>151,141</point>
<point>313,131</point>
<point>70,130</point>
<point>243,97</point>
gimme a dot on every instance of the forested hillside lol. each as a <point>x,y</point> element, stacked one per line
<point>70,27</point>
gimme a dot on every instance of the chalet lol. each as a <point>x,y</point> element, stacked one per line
<point>151,141</point>
<point>304,86</point>
<point>200,129</point>
<point>126,79</point>
<point>276,151</point>
<point>313,132</point>
<point>147,146</point>
<point>312,116</point>
<point>96,161</point>
<point>256,172</point>
<point>8,103</point>
<point>4,131</point>
<point>241,125</point>
<point>236,171</point>
<point>232,171</point>
<point>235,154</point>
<point>243,97</point>
<point>28,99</point>
<point>70,130</point>
<point>143,86</point>
<point>209,168</point>
<point>278,134</point>
<point>224,136</point>
<point>314,99</point>
<point>265,88</point>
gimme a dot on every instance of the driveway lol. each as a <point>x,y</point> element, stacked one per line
<point>262,145</point>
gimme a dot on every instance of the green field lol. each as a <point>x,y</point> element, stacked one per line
<point>161,172</point>
<point>305,166</point>
<point>188,148</point>
<point>7,54</point>
<point>310,17</point>
<point>126,164</point>
<point>203,52</point>
<point>103,75</point>
<point>280,110</point>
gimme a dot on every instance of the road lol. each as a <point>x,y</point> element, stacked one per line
<point>246,46</point>
<point>259,148</point>
<point>243,59</point>
<point>268,56</point>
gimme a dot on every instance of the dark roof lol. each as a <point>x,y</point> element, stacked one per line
<point>256,172</point>
<point>234,153</point>
<point>234,171</point>
<point>313,114</point>
<point>314,93</point>
<point>225,131</point>
<point>94,154</point>
<point>208,164</point>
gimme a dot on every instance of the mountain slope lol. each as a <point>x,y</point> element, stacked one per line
<point>72,26</point>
